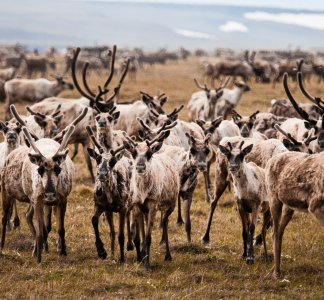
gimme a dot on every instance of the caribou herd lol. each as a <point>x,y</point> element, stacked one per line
<point>147,160</point>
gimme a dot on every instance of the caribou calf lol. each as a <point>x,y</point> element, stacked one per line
<point>250,195</point>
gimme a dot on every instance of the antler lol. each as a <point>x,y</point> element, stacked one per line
<point>20,120</point>
<point>315,100</point>
<point>77,120</point>
<point>95,98</point>
<point>121,79</point>
<point>160,95</point>
<point>35,113</point>
<point>111,55</point>
<point>143,124</point>
<point>225,82</point>
<point>66,138</point>
<point>30,140</point>
<point>114,152</point>
<point>288,135</point>
<point>207,138</point>
<point>76,53</point>
<point>175,111</point>
<point>57,111</point>
<point>84,79</point>
<point>93,139</point>
<point>162,135</point>
<point>153,111</point>
<point>254,114</point>
<point>299,110</point>
<point>299,64</point>
<point>134,144</point>
<point>310,137</point>
<point>236,115</point>
<point>205,88</point>
<point>165,126</point>
<point>241,144</point>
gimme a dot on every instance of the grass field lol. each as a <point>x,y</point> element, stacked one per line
<point>214,271</point>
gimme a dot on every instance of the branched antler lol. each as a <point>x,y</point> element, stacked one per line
<point>202,87</point>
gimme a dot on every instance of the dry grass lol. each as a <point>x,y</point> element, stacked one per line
<point>197,271</point>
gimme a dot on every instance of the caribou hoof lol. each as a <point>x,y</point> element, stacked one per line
<point>168,257</point>
<point>130,246</point>
<point>16,222</point>
<point>45,247</point>
<point>205,239</point>
<point>63,252</point>
<point>250,260</point>
<point>101,251</point>
<point>180,221</point>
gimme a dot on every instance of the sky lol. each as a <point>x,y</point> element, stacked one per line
<point>289,4</point>
<point>250,24</point>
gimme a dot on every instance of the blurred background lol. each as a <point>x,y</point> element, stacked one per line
<point>153,24</point>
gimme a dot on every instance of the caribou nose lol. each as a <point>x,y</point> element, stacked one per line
<point>234,168</point>
<point>140,168</point>
<point>11,136</point>
<point>102,176</point>
<point>102,123</point>
<point>50,195</point>
<point>245,133</point>
<point>54,131</point>
<point>202,166</point>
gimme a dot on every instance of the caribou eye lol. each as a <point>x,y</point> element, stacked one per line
<point>41,170</point>
<point>193,151</point>
<point>206,151</point>
<point>57,170</point>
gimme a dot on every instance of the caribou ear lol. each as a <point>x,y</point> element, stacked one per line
<point>247,150</point>
<point>224,150</point>
<point>94,155</point>
<point>3,127</point>
<point>147,100</point>
<point>157,147</point>
<point>60,157</point>
<point>40,121</point>
<point>220,93</point>
<point>288,144</point>
<point>35,158</point>
<point>215,124</point>
<point>201,123</point>
<point>163,101</point>
<point>141,135</point>
<point>58,119</point>
<point>116,116</point>
<point>113,161</point>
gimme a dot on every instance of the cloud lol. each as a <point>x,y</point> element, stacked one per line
<point>232,26</point>
<point>194,34</point>
<point>308,20</point>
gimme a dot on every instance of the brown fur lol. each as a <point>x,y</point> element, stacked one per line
<point>294,181</point>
